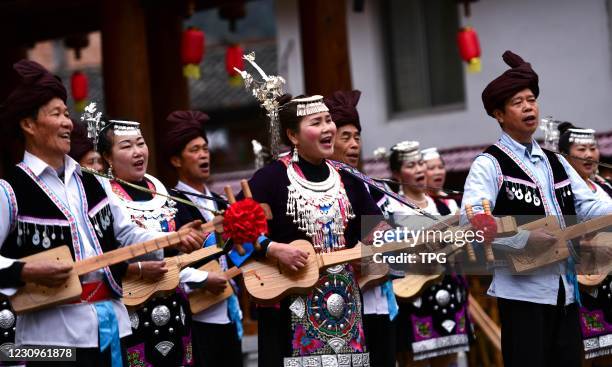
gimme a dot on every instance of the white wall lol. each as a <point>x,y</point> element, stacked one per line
<point>567,42</point>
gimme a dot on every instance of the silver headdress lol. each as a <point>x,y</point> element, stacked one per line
<point>95,124</point>
<point>259,154</point>
<point>430,153</point>
<point>124,128</point>
<point>266,92</point>
<point>582,136</point>
<point>310,105</point>
<point>551,132</point>
<point>408,151</point>
<point>380,153</point>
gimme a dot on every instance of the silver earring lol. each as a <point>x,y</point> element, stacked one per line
<point>295,158</point>
<point>110,170</point>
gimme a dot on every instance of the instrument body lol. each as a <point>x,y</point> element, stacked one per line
<point>412,284</point>
<point>33,297</point>
<point>202,299</point>
<point>138,291</point>
<point>601,263</point>
<point>533,258</point>
<point>267,281</point>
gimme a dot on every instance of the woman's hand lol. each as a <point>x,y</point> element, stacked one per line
<point>291,257</point>
<point>147,270</point>
<point>192,237</point>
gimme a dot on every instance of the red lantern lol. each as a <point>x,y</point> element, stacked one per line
<point>192,52</point>
<point>469,48</point>
<point>233,59</point>
<point>79,86</point>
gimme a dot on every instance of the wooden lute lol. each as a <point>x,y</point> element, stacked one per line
<point>202,299</point>
<point>267,281</point>
<point>373,274</point>
<point>601,265</point>
<point>138,291</point>
<point>532,258</point>
<point>412,284</point>
<point>32,297</point>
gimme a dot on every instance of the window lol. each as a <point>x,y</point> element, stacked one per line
<point>423,63</point>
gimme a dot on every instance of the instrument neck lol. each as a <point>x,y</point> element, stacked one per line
<point>125,253</point>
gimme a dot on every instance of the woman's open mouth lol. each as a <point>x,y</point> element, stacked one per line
<point>326,142</point>
<point>139,164</point>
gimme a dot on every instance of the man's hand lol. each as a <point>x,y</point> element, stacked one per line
<point>192,237</point>
<point>291,257</point>
<point>47,273</point>
<point>216,282</point>
<point>541,239</point>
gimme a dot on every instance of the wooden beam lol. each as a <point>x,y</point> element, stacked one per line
<point>11,151</point>
<point>325,46</point>
<point>29,22</point>
<point>169,89</point>
<point>125,65</point>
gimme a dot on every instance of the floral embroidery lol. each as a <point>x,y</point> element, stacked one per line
<point>188,351</point>
<point>592,322</point>
<point>304,343</point>
<point>461,322</point>
<point>136,357</point>
<point>423,329</point>
<point>358,342</point>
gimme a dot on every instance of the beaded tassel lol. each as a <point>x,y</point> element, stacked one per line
<point>322,219</point>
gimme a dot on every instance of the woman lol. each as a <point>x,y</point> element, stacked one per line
<point>160,327</point>
<point>433,326</point>
<point>82,148</point>
<point>436,176</point>
<point>311,200</point>
<point>596,309</point>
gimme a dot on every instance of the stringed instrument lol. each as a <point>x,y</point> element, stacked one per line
<point>601,263</point>
<point>32,297</point>
<point>202,299</point>
<point>532,258</point>
<point>267,281</point>
<point>373,274</point>
<point>412,284</point>
<point>138,291</point>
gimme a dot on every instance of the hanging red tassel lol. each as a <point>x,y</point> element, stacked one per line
<point>469,48</point>
<point>79,86</point>
<point>233,59</point>
<point>192,52</point>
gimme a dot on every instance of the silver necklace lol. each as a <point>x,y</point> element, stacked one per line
<point>320,209</point>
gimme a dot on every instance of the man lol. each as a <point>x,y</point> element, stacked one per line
<point>216,331</point>
<point>47,201</point>
<point>347,145</point>
<point>538,312</point>
<point>379,305</point>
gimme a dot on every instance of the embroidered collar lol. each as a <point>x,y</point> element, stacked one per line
<point>519,149</point>
<point>156,203</point>
<point>38,166</point>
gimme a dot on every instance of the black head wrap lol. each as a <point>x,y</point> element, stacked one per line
<point>512,81</point>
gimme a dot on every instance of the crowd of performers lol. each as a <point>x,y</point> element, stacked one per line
<point>314,193</point>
